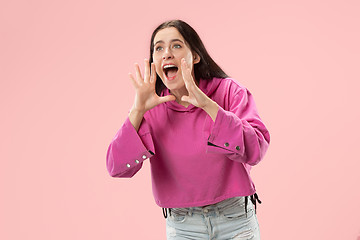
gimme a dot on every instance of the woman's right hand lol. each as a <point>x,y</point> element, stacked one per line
<point>146,97</point>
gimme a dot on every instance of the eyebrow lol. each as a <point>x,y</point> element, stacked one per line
<point>172,40</point>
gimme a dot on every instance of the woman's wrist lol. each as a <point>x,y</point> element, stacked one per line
<point>212,109</point>
<point>135,117</point>
<point>135,111</point>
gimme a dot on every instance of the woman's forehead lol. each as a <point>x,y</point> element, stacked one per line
<point>167,34</point>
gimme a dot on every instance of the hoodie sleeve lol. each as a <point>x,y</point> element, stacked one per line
<point>128,149</point>
<point>238,132</point>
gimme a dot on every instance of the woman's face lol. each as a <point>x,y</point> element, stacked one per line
<point>169,49</point>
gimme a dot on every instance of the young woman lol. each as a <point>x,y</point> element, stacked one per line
<point>202,134</point>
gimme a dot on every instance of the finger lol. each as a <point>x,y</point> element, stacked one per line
<point>138,74</point>
<point>186,74</point>
<point>185,99</point>
<point>167,98</point>
<point>153,73</point>
<point>135,83</point>
<point>147,71</point>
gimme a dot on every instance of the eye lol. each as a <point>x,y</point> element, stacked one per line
<point>158,48</point>
<point>177,46</point>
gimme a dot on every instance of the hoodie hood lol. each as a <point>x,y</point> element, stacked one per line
<point>207,86</point>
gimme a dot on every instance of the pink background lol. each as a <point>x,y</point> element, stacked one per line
<point>64,92</point>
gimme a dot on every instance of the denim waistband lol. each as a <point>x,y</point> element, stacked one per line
<point>217,207</point>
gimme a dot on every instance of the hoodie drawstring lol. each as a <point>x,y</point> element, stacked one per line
<point>253,199</point>
<point>165,212</point>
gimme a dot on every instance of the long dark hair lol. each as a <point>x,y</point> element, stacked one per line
<point>205,69</point>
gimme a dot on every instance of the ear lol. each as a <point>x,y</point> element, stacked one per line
<point>196,58</point>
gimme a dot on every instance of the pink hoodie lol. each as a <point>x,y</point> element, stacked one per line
<point>194,160</point>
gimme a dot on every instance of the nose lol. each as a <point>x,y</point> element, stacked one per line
<point>167,54</point>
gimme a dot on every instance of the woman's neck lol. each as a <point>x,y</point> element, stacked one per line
<point>178,93</point>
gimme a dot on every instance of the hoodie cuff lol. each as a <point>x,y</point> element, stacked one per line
<point>223,134</point>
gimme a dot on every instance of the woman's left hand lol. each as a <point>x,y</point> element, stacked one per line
<point>196,97</point>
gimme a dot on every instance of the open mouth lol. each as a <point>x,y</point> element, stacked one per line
<point>170,71</point>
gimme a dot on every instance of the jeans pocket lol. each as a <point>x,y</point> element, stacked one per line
<point>178,218</point>
<point>237,213</point>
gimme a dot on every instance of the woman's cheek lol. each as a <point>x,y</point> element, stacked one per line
<point>189,60</point>
<point>158,70</point>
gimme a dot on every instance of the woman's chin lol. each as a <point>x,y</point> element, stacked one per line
<point>174,83</point>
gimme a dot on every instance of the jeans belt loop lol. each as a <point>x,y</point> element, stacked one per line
<point>217,211</point>
<point>190,211</point>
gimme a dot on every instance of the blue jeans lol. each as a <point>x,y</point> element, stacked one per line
<point>224,220</point>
